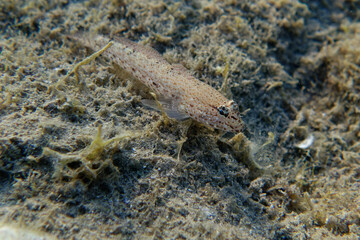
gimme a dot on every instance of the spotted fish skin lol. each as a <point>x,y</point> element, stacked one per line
<point>184,95</point>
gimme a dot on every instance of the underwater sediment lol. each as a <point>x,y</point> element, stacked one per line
<point>81,157</point>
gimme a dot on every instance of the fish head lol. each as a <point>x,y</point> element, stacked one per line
<point>228,117</point>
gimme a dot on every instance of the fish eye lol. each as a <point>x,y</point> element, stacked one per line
<point>223,111</point>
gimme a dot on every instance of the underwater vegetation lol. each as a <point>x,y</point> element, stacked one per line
<point>82,158</point>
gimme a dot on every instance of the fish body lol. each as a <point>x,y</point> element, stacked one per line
<point>181,94</point>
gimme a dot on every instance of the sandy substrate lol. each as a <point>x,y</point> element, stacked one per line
<point>82,158</point>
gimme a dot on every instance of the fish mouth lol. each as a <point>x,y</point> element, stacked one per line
<point>235,128</point>
<point>238,130</point>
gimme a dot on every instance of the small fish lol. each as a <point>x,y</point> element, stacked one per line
<point>181,95</point>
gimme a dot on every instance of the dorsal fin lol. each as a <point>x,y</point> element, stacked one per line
<point>181,69</point>
<point>145,50</point>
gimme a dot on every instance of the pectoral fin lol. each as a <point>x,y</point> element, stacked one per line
<point>168,106</point>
